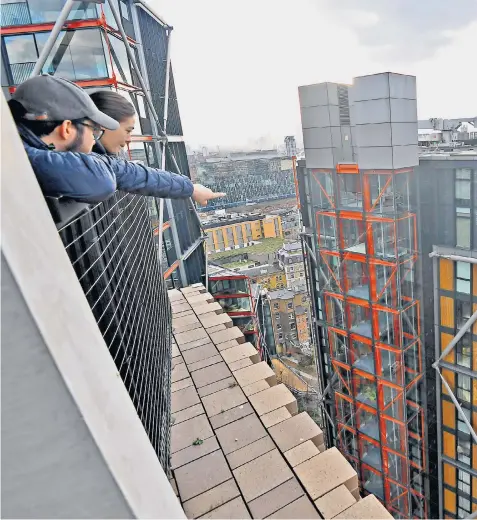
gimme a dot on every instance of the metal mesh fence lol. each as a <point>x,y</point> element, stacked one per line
<point>115,256</point>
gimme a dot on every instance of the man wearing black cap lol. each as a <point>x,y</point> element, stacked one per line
<point>59,124</point>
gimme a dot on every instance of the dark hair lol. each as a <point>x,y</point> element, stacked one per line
<point>113,104</point>
<point>39,128</point>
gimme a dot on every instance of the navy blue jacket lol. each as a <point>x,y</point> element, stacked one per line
<point>94,178</point>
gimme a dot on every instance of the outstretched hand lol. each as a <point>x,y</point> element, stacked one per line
<point>202,195</point>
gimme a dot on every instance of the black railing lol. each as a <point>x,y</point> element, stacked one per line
<point>14,14</point>
<point>21,71</point>
<point>115,256</point>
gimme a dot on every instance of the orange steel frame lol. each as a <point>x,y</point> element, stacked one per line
<point>393,392</point>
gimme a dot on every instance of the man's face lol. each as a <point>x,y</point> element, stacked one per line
<point>74,137</point>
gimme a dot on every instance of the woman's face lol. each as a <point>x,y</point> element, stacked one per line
<point>114,140</point>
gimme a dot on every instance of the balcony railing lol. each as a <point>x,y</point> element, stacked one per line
<point>114,253</point>
<point>21,71</point>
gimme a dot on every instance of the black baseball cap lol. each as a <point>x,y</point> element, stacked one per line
<point>51,98</point>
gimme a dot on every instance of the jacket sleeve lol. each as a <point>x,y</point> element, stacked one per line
<point>136,178</point>
<point>79,176</point>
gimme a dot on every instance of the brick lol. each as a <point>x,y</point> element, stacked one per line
<point>276,499</point>
<point>236,508</point>
<point>216,387</point>
<point>325,472</point>
<point>228,344</point>
<point>205,308</point>
<point>203,474</point>
<point>192,335</point>
<point>262,475</point>
<point>188,312</point>
<point>278,415</point>
<point>370,508</point>
<point>185,328</point>
<point>250,452</point>
<point>227,335</point>
<point>198,354</point>
<point>300,508</point>
<point>175,351</point>
<point>180,307</point>
<point>243,351</point>
<point>255,388</point>
<point>178,323</point>
<point>185,433</point>
<point>179,372</point>
<point>273,398</point>
<point>183,399</point>
<point>216,328</point>
<point>300,453</point>
<point>259,371</point>
<point>197,300</point>
<point>211,320</point>
<point>211,499</point>
<point>194,344</point>
<point>295,431</point>
<point>335,502</point>
<point>241,363</point>
<point>179,385</point>
<point>223,400</point>
<point>193,288</point>
<point>240,433</point>
<point>205,363</point>
<point>194,452</point>
<point>211,374</point>
<point>187,413</point>
<point>234,414</point>
<point>174,294</point>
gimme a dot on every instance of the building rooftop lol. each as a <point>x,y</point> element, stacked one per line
<point>283,294</point>
<point>240,449</point>
<point>292,247</point>
<point>299,309</point>
<point>217,270</point>
<point>259,270</point>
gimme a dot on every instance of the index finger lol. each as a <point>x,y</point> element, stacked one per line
<point>217,195</point>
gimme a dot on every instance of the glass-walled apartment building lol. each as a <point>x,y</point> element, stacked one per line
<point>446,196</point>
<point>91,52</point>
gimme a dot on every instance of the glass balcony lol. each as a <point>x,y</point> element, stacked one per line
<point>235,304</point>
<point>368,423</point>
<point>371,454</point>
<point>233,286</point>
<point>366,391</point>
<point>246,324</point>
<point>372,482</point>
<point>363,356</point>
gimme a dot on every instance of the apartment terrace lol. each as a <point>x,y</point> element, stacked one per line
<point>239,447</point>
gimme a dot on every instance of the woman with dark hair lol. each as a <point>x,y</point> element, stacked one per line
<point>120,109</point>
<point>113,141</point>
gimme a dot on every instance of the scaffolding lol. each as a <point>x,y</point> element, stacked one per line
<point>159,139</point>
<point>365,254</point>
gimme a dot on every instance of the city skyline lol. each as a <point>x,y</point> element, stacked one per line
<point>238,66</point>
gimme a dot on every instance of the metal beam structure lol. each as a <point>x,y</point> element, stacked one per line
<point>159,128</point>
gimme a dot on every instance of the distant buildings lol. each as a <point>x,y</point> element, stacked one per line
<point>290,146</point>
<point>224,235</point>
<point>268,276</point>
<point>289,317</point>
<point>290,259</point>
<point>246,177</point>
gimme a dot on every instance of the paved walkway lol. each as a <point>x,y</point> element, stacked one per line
<point>240,449</point>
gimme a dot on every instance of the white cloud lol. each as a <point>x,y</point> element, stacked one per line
<point>238,65</point>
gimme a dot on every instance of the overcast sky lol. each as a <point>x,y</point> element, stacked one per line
<point>238,63</point>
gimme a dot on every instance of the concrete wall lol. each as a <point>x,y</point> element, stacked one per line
<point>51,466</point>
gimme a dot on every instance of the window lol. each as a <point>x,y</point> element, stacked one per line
<point>279,327</point>
<point>280,336</point>
<point>290,305</point>
<point>293,326</point>
<point>291,316</point>
<point>275,305</point>
<point>76,55</point>
<point>291,269</point>
<point>463,506</point>
<point>463,351</point>
<point>293,336</point>
<point>463,450</point>
<point>463,277</point>
<point>463,231</point>
<point>463,387</point>
<point>120,60</point>
<point>462,311</point>
<point>292,276</point>
<point>22,55</point>
<point>124,10</point>
<point>277,316</point>
<point>461,426</point>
